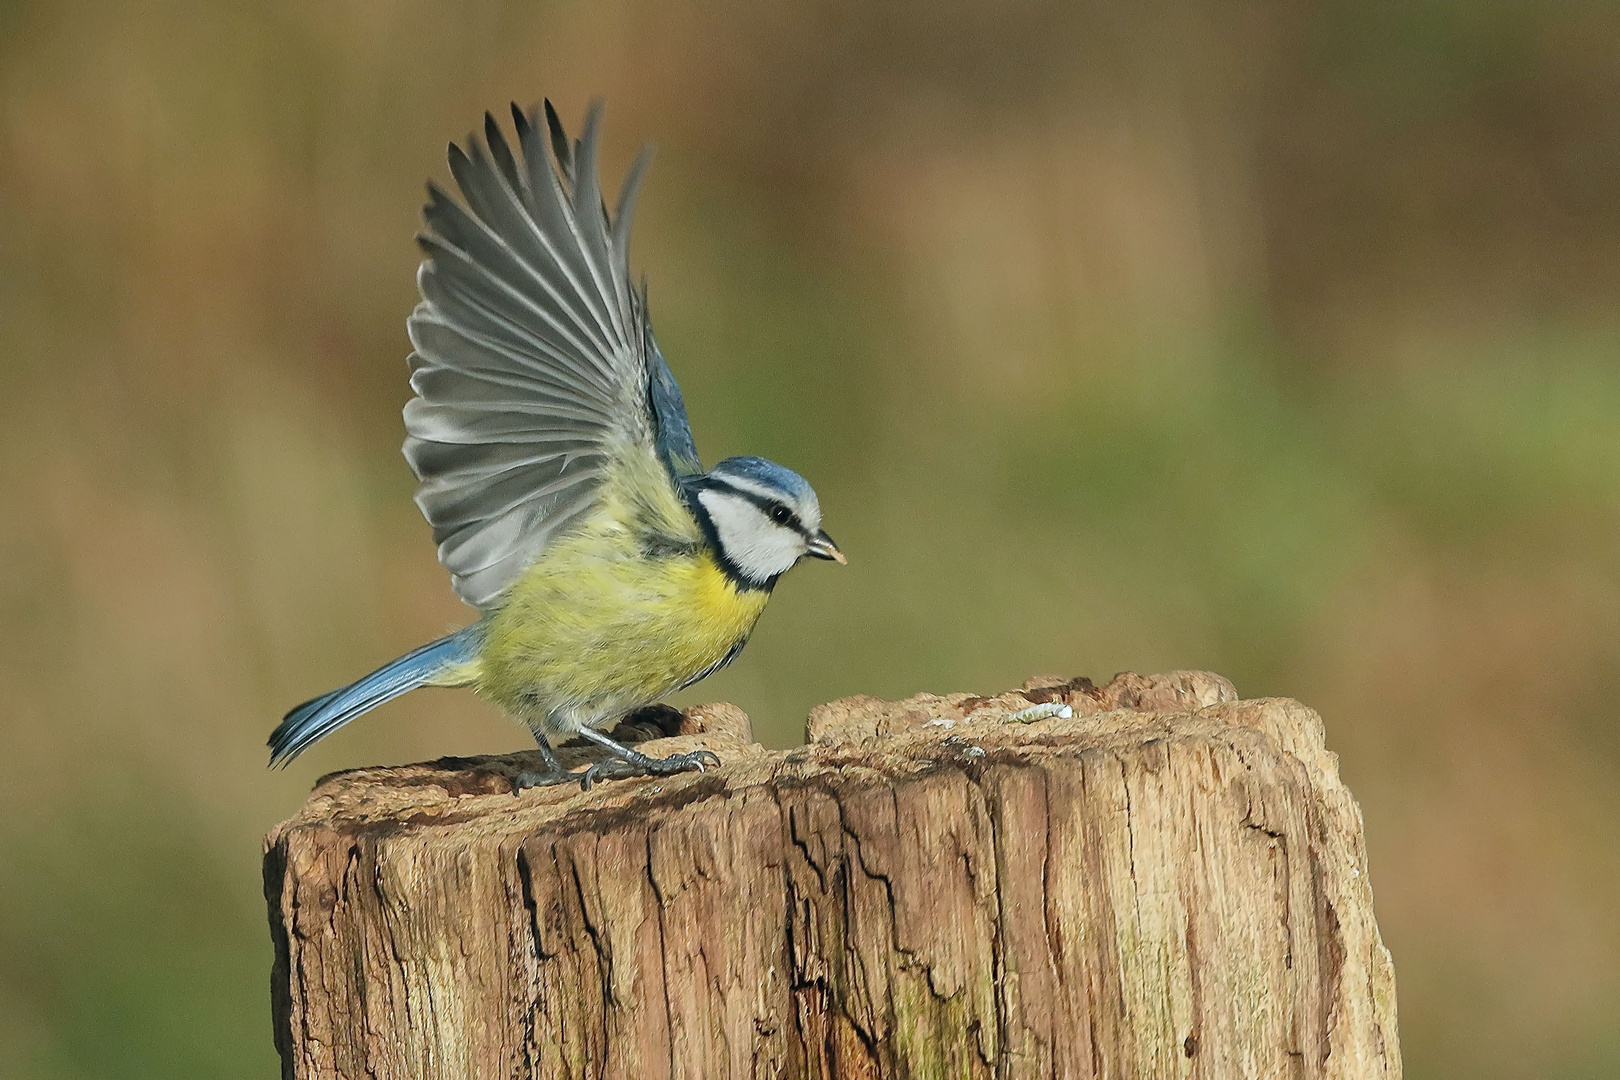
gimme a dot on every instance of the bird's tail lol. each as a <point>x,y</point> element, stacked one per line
<point>318,718</point>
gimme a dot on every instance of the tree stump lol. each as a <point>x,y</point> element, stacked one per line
<point>1168,883</point>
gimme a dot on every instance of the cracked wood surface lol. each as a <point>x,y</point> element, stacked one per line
<point>1169,883</point>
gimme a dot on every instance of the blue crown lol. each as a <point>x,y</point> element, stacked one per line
<point>766,474</point>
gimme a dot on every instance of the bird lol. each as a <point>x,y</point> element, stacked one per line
<point>557,468</point>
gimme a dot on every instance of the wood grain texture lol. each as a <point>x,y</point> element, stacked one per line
<point>1169,883</point>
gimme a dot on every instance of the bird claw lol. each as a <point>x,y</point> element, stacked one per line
<point>700,758</point>
<point>533,778</point>
<point>617,769</point>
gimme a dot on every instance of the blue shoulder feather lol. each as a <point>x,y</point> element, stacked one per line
<point>674,437</point>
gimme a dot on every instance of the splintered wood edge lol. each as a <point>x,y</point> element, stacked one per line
<point>856,733</point>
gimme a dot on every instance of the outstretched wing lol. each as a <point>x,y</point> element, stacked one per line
<point>535,369</point>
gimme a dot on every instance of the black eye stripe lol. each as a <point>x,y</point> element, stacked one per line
<point>763,504</point>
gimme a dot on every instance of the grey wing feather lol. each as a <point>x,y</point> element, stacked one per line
<point>534,366</point>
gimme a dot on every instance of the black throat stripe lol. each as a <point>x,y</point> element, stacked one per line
<point>739,580</point>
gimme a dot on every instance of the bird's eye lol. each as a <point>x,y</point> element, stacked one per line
<point>780,514</point>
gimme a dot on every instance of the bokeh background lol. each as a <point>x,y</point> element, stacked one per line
<point>1278,340</point>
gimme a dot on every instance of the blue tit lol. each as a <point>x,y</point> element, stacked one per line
<point>558,471</point>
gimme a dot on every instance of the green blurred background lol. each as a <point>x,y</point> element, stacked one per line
<point>1275,340</point>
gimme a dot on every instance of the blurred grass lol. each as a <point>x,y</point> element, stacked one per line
<point>1274,340</point>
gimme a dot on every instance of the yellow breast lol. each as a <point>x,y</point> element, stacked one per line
<point>597,627</point>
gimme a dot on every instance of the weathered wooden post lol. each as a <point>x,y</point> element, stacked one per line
<point>1169,883</point>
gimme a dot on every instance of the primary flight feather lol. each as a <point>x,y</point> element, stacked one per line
<point>558,470</point>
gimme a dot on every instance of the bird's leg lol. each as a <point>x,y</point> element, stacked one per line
<point>628,762</point>
<point>553,773</point>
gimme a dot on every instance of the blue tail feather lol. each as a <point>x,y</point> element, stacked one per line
<point>319,717</point>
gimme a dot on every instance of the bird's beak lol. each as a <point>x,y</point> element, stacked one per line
<point>822,547</point>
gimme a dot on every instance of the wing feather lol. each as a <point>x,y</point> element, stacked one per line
<point>464,505</point>
<point>624,213</point>
<point>496,304</point>
<point>512,245</point>
<point>450,463</point>
<point>535,374</point>
<point>499,394</point>
<point>591,227</point>
<point>553,210</point>
<point>481,356</point>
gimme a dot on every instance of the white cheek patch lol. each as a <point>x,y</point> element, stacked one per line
<point>758,546</point>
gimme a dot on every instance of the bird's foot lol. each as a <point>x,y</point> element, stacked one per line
<point>533,778</point>
<point>635,764</point>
